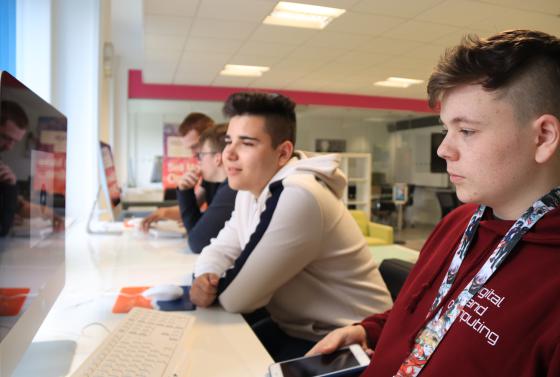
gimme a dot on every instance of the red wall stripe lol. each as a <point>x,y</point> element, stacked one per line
<point>138,89</point>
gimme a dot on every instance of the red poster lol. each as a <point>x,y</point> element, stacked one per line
<point>110,174</point>
<point>52,139</point>
<point>176,158</point>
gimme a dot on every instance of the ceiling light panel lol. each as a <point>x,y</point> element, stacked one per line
<point>302,15</point>
<point>398,82</point>
<point>243,70</point>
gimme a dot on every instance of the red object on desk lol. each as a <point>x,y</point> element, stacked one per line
<point>130,297</point>
<point>11,300</point>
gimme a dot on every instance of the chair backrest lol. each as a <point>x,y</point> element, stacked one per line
<point>394,273</point>
<point>448,201</point>
<point>361,220</point>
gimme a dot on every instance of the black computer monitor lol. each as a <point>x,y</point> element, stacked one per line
<point>437,164</point>
<point>32,208</point>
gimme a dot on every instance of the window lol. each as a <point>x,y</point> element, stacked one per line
<point>8,36</point>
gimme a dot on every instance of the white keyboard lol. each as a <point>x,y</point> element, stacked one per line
<point>147,343</point>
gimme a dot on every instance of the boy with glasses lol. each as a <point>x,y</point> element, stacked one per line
<point>190,130</point>
<point>203,226</point>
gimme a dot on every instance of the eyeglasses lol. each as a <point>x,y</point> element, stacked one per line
<point>199,155</point>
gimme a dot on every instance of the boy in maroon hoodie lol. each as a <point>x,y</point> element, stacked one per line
<point>484,296</point>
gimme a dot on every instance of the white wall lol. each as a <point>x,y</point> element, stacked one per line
<point>33,46</point>
<point>360,136</point>
<point>410,151</point>
<point>57,56</point>
<point>76,65</point>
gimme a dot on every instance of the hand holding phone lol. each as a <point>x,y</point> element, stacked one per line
<point>342,362</point>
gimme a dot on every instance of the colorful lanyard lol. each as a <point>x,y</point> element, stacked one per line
<point>429,338</point>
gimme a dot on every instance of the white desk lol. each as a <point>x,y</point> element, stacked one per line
<point>98,266</point>
<point>382,252</point>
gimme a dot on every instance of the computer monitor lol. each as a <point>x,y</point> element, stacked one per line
<point>110,188</point>
<point>32,211</point>
<point>109,182</point>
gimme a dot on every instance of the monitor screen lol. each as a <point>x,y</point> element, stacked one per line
<point>109,182</point>
<point>32,215</point>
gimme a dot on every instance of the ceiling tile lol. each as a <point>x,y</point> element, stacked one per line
<point>426,52</point>
<point>161,55</point>
<point>341,4</point>
<point>240,10</point>
<point>421,31</point>
<point>171,7</point>
<point>409,68</point>
<point>388,46</point>
<point>459,12</point>
<point>367,24</point>
<point>516,19</point>
<point>260,60</point>
<point>314,53</point>
<point>233,81</point>
<point>272,81</point>
<point>158,24</point>
<point>205,27</point>
<point>219,45</point>
<point>296,67</point>
<point>209,60</point>
<point>282,34</point>
<point>400,8</point>
<point>453,39</point>
<point>162,41</point>
<point>194,74</point>
<point>337,40</point>
<point>357,59</point>
<point>551,7</point>
<point>252,47</point>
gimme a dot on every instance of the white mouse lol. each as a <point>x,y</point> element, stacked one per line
<point>163,292</point>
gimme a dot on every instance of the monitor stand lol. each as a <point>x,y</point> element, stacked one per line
<point>47,359</point>
<point>99,227</point>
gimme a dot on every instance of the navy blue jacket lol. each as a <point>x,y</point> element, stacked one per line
<point>203,226</point>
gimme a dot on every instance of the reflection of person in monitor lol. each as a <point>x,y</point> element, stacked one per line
<point>461,311</point>
<point>291,244</point>
<point>13,126</point>
<point>190,129</point>
<point>13,206</point>
<point>203,226</point>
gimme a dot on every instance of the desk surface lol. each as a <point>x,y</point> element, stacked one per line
<point>382,252</point>
<point>98,266</point>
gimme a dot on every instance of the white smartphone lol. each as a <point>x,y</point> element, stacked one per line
<point>341,362</point>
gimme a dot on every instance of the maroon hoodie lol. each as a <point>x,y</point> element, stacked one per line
<point>510,328</point>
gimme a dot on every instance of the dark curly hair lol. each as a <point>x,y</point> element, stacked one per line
<point>522,66</point>
<point>14,112</point>
<point>278,111</point>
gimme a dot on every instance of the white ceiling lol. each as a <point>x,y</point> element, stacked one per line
<point>190,41</point>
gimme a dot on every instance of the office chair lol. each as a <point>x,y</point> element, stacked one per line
<point>448,201</point>
<point>394,272</point>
